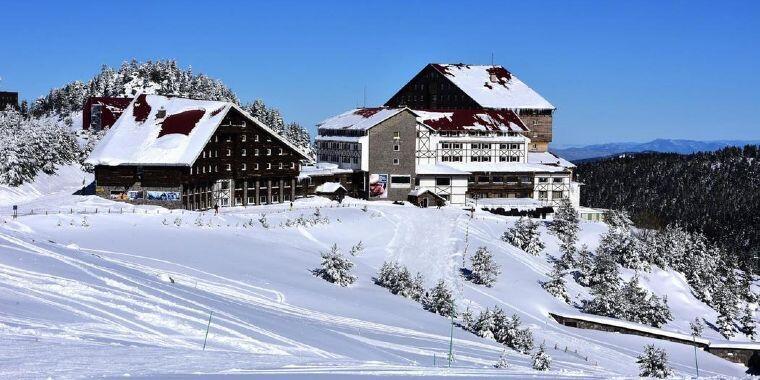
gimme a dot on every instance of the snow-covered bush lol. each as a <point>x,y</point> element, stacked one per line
<point>565,226</point>
<point>439,300</point>
<point>630,302</point>
<point>654,363</point>
<point>357,249</point>
<point>502,362</point>
<point>263,221</point>
<point>494,324</point>
<point>525,235</point>
<point>541,360</point>
<point>584,266</point>
<point>484,270</point>
<point>335,268</point>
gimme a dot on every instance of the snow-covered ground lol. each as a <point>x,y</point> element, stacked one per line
<point>93,295</point>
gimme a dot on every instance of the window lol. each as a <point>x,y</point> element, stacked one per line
<point>542,195</point>
<point>292,165</point>
<point>395,161</point>
<point>543,179</point>
<point>497,179</point>
<point>280,166</point>
<point>256,138</point>
<point>216,153</point>
<point>442,181</point>
<point>471,179</point>
<point>243,137</point>
<point>229,167</point>
<point>396,135</point>
<point>269,152</point>
<point>255,166</point>
<point>204,169</point>
<point>191,170</point>
<point>396,147</point>
<point>557,180</point>
<point>269,166</point>
<point>481,159</point>
<point>216,168</point>
<point>401,180</point>
<point>204,154</point>
<point>243,152</point>
<point>243,166</point>
<point>511,179</point>
<point>228,139</point>
<point>484,179</point>
<point>229,152</point>
<point>557,195</point>
<point>281,152</point>
<point>216,138</point>
<point>255,152</point>
<point>269,139</point>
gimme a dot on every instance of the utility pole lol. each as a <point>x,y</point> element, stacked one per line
<point>451,336</point>
<point>696,363</point>
<point>207,328</point>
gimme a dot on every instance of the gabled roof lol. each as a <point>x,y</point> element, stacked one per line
<point>360,119</point>
<point>492,86</point>
<point>484,120</point>
<point>157,130</point>
<point>548,158</point>
<point>329,188</point>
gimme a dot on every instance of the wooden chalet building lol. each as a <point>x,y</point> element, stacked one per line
<point>194,154</point>
<point>446,87</point>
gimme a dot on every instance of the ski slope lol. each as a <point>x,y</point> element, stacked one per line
<point>98,299</point>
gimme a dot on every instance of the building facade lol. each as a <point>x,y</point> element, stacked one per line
<point>194,154</point>
<point>478,87</point>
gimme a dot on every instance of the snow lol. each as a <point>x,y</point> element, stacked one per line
<point>421,190</point>
<point>506,167</point>
<point>89,301</point>
<point>548,158</point>
<point>441,169</point>
<point>321,169</point>
<point>329,187</point>
<point>359,119</point>
<point>521,204</point>
<point>480,120</point>
<point>66,180</point>
<point>130,141</point>
<point>475,81</point>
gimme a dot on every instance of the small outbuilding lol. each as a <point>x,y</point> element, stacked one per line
<point>422,197</point>
<point>332,190</point>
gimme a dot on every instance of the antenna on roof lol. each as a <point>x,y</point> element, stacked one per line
<point>365,96</point>
<point>491,58</point>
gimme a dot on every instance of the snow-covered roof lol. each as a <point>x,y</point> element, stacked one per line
<point>506,167</point>
<point>493,86</point>
<point>360,119</point>
<point>483,120</point>
<point>416,192</point>
<point>163,130</point>
<point>521,204</point>
<point>321,169</point>
<point>440,169</point>
<point>548,158</point>
<point>329,187</point>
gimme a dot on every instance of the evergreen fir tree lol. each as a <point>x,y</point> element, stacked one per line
<point>335,268</point>
<point>525,235</point>
<point>484,270</point>
<point>585,266</point>
<point>654,363</point>
<point>747,323</point>
<point>556,284</point>
<point>503,362</point>
<point>697,327</point>
<point>619,242</point>
<point>440,300</point>
<point>466,320</point>
<point>541,360</point>
<point>565,224</point>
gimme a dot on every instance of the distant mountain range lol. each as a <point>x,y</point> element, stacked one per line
<point>575,153</point>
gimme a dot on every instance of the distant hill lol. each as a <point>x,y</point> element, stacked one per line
<point>659,145</point>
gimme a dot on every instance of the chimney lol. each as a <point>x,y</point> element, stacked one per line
<point>494,78</point>
<point>161,113</point>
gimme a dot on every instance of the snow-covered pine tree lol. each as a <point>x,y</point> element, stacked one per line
<point>541,359</point>
<point>619,242</point>
<point>605,270</point>
<point>697,327</point>
<point>584,266</point>
<point>658,312</point>
<point>565,226</point>
<point>525,235</point>
<point>502,362</point>
<point>484,270</point>
<point>466,320</point>
<point>654,363</point>
<point>484,325</point>
<point>357,249</point>
<point>747,323</point>
<point>335,268</point>
<point>441,301</point>
<point>556,284</point>
<point>417,287</point>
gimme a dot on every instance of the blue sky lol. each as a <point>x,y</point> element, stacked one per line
<point>617,71</point>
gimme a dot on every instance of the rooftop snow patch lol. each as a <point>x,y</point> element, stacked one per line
<point>329,188</point>
<point>360,119</point>
<point>493,86</point>
<point>483,120</point>
<point>159,130</point>
<point>548,158</point>
<point>441,169</point>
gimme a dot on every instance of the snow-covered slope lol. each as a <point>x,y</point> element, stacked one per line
<point>92,296</point>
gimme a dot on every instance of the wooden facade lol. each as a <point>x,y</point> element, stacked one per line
<point>242,163</point>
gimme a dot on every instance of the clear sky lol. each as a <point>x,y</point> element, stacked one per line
<point>616,70</point>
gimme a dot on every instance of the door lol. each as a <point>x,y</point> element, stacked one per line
<point>424,202</point>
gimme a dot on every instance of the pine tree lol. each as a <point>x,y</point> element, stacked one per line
<point>484,270</point>
<point>556,284</point>
<point>747,322</point>
<point>566,223</point>
<point>335,268</point>
<point>605,270</point>
<point>697,327</point>
<point>484,325</point>
<point>654,363</point>
<point>585,266</point>
<point>466,320</point>
<point>619,242</point>
<point>541,360</point>
<point>525,235</point>
<point>440,300</point>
